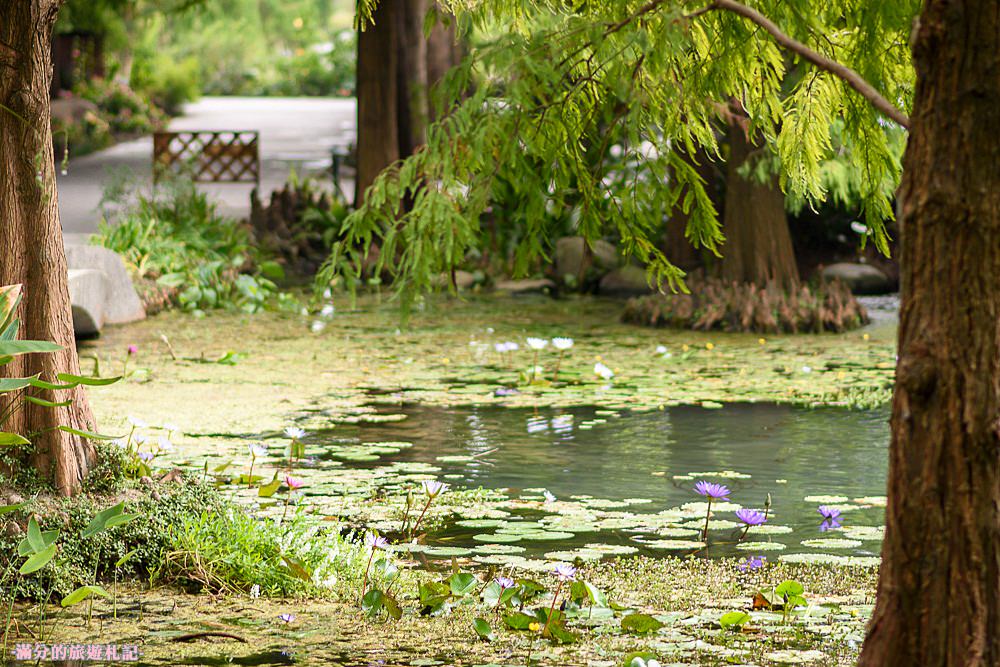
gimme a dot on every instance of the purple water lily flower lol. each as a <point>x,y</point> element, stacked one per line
<point>831,518</point>
<point>146,457</point>
<point>504,582</point>
<point>752,563</point>
<point>565,571</point>
<point>712,490</point>
<point>287,618</point>
<point>376,541</point>
<point>751,517</point>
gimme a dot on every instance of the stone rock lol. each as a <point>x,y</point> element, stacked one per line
<point>573,259</point>
<point>627,281</point>
<point>88,292</point>
<point>463,280</point>
<point>860,278</point>
<point>606,255</point>
<point>121,303</point>
<point>531,286</point>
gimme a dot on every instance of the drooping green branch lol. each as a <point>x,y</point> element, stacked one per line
<point>839,70</point>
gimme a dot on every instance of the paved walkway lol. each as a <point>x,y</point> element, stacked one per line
<point>295,133</point>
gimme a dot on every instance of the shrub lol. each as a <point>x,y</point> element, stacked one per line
<point>716,305</point>
<point>175,236</point>
<point>168,82</point>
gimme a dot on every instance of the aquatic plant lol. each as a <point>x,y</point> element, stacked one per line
<point>536,344</point>
<point>603,372</point>
<point>296,449</point>
<point>374,542</point>
<point>432,488</point>
<point>711,491</point>
<point>561,344</point>
<point>751,563</point>
<point>750,518</point>
<point>256,449</point>
<point>130,352</point>
<point>564,572</point>
<point>831,518</point>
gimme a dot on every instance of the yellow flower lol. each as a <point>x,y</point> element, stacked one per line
<point>298,23</point>
<point>761,341</point>
<point>446,360</point>
<point>534,627</point>
<point>709,346</point>
<point>685,347</point>
<point>866,336</point>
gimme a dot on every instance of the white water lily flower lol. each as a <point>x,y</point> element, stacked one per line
<point>661,349</point>
<point>603,372</point>
<point>327,293</point>
<point>164,444</point>
<point>434,488</point>
<point>549,496</point>
<point>257,449</point>
<point>537,343</point>
<point>317,326</point>
<point>328,310</point>
<point>807,369</point>
<point>295,433</point>
<point>140,439</point>
<point>170,427</point>
<point>119,443</point>
<point>562,343</point>
<point>136,422</point>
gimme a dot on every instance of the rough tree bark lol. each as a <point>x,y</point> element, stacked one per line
<point>938,598</point>
<point>378,133</point>
<point>31,243</point>
<point>758,246</point>
<point>397,64</point>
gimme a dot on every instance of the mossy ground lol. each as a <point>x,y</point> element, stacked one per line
<point>445,356</point>
<point>687,596</point>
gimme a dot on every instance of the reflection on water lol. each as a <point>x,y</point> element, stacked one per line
<point>788,452</point>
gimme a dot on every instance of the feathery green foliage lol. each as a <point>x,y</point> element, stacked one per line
<point>562,85</point>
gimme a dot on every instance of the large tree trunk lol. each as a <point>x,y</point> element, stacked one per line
<point>378,94</point>
<point>31,244</point>
<point>939,586</point>
<point>758,246</point>
<point>411,76</point>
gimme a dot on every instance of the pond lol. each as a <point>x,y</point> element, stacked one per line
<point>588,483</point>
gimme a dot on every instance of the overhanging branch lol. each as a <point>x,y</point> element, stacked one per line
<point>843,72</point>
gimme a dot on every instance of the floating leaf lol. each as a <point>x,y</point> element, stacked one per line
<point>640,624</point>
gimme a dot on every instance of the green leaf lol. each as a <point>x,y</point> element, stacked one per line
<point>126,558</point>
<point>269,489</point>
<point>100,521</point>
<point>9,439</point>
<point>385,569</point>
<point>640,624</point>
<point>6,509</point>
<point>24,547</point>
<point>47,404</point>
<point>372,602</point>
<point>12,348</point>
<point>433,594</point>
<point>34,537</point>
<point>462,583</point>
<point>560,634</point>
<point>13,384</point>
<point>87,434</point>
<point>50,386</point>
<point>297,568</point>
<point>121,520</point>
<point>483,629</point>
<point>82,593</point>
<point>519,620</point>
<point>789,587</point>
<point>38,561</point>
<point>90,382</point>
<point>734,619</point>
<point>392,607</point>
<point>638,659</point>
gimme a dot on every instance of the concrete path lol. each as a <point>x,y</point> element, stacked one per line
<point>297,133</point>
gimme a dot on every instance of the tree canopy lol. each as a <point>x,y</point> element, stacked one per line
<point>564,98</point>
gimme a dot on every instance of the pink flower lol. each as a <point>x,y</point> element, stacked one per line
<point>293,483</point>
<point>132,350</point>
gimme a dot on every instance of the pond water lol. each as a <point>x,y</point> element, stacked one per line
<point>586,482</point>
